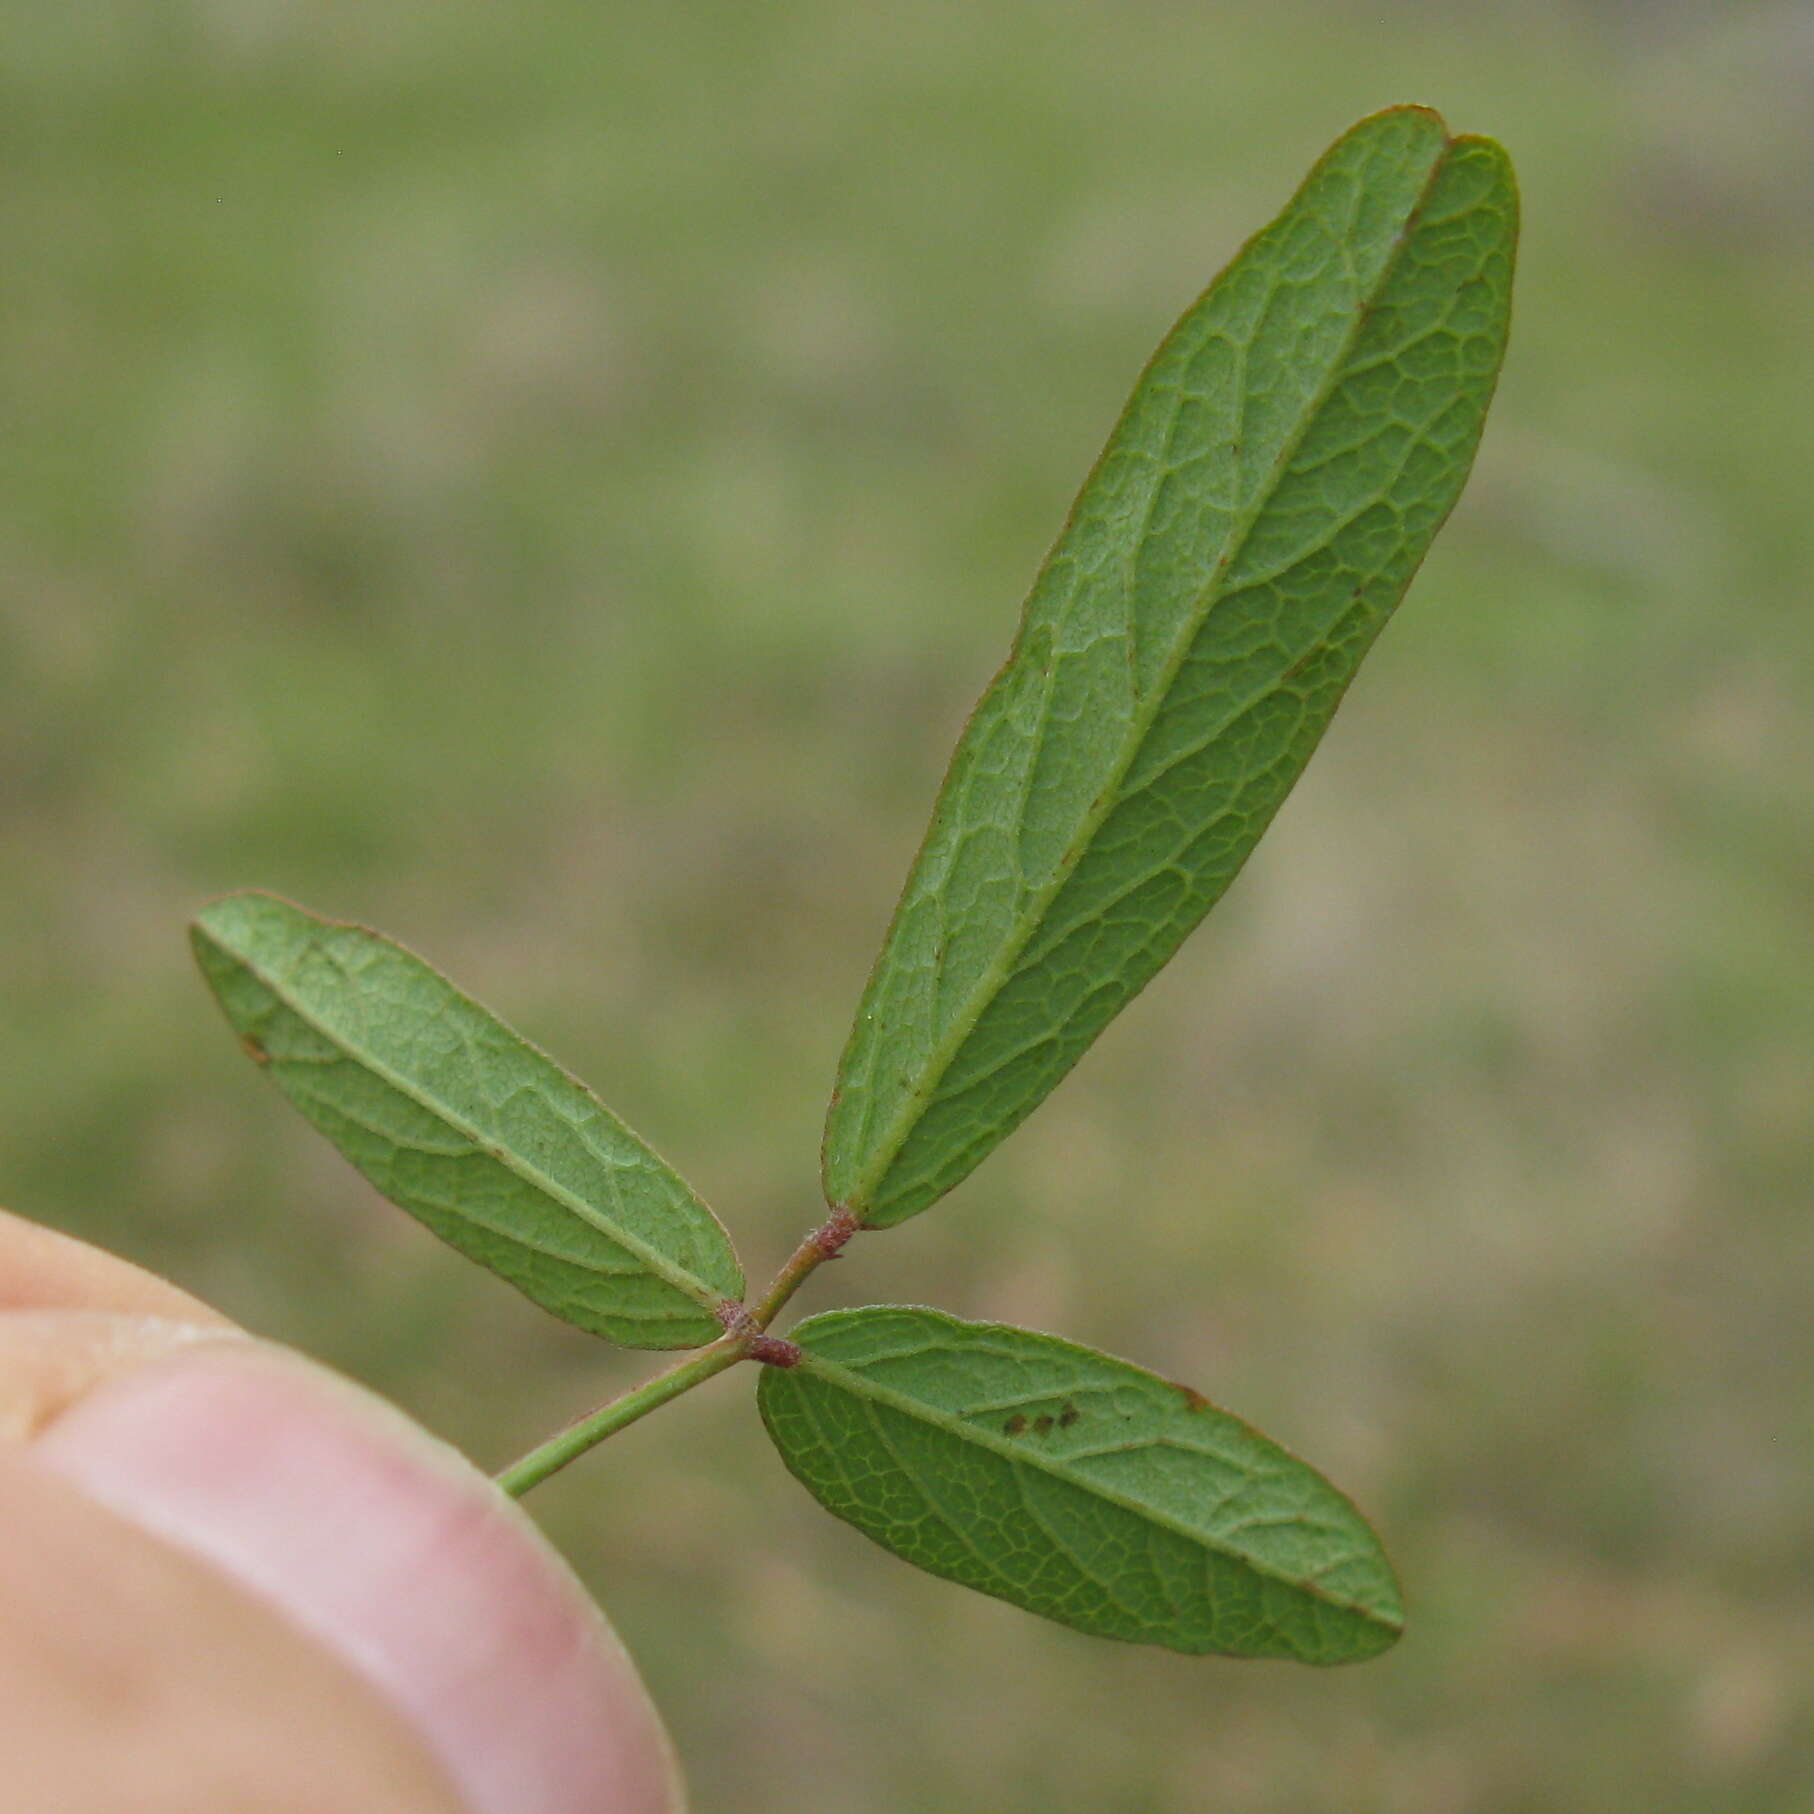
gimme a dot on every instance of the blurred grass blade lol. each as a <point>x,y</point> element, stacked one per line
<point>1077,1486</point>
<point>1259,510</point>
<point>474,1132</point>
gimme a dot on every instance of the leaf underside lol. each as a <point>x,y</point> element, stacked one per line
<point>474,1132</point>
<point>1260,508</point>
<point>1077,1486</point>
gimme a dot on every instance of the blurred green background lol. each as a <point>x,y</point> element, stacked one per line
<point>549,481</point>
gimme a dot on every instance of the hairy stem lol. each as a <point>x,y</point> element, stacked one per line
<point>825,1242</point>
<point>565,1445</point>
<point>745,1338</point>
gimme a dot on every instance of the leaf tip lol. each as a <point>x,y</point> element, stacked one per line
<point>1410,109</point>
<point>1479,148</point>
<point>226,913</point>
<point>1424,119</point>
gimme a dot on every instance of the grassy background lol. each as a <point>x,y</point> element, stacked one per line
<point>550,479</point>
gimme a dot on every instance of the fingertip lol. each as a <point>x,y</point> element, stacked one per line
<point>51,1358</point>
<point>43,1269</point>
<point>392,1550</point>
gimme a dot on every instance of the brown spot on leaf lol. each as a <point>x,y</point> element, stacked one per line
<point>253,1049</point>
<point>1194,1399</point>
<point>1042,1423</point>
<point>1068,1416</point>
<point>1015,1425</point>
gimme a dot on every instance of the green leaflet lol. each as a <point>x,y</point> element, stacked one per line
<point>1077,1486</point>
<point>1260,508</point>
<point>475,1133</point>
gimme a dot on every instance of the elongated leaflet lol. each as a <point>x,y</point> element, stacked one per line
<point>1077,1486</point>
<point>473,1131</point>
<point>1260,508</point>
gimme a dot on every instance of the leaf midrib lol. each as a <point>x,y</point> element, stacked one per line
<point>656,1262</point>
<point>1145,715</point>
<point>472,1218</point>
<point>984,1438</point>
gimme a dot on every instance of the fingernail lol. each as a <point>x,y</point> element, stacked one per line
<point>392,1550</point>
